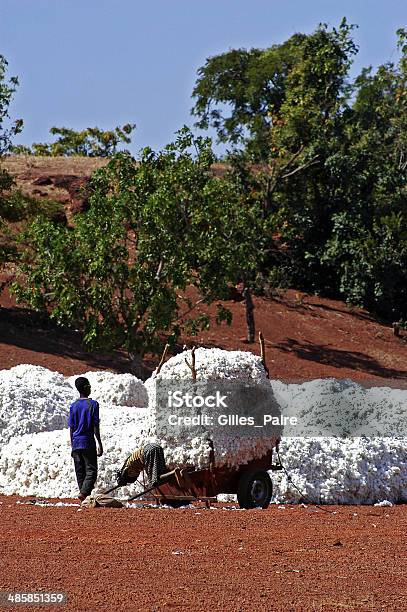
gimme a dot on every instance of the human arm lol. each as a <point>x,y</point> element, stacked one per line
<point>96,431</point>
<point>99,445</point>
<point>71,425</point>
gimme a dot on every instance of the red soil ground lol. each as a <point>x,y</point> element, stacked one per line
<point>197,559</point>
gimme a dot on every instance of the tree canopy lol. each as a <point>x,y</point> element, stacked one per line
<point>154,228</point>
<point>90,142</point>
<point>8,205</point>
<point>271,100</point>
<point>8,86</point>
<point>332,161</point>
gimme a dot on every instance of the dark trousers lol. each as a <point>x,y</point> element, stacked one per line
<point>86,469</point>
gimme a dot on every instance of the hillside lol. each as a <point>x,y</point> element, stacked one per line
<point>306,336</point>
<point>59,178</point>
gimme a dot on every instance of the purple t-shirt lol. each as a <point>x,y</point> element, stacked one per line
<point>83,416</point>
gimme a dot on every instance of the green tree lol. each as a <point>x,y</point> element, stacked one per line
<point>272,101</point>
<point>285,106</point>
<point>91,142</point>
<point>368,245</point>
<point>8,205</point>
<point>8,87</point>
<point>154,228</point>
<point>372,262</point>
<point>334,159</point>
<point>342,222</point>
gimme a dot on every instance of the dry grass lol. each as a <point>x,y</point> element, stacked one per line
<point>25,165</point>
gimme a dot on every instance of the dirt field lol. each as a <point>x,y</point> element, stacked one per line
<point>297,558</point>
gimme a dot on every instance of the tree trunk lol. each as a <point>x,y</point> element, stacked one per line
<point>137,367</point>
<point>249,315</point>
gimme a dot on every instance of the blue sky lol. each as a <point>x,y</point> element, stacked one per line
<point>107,62</point>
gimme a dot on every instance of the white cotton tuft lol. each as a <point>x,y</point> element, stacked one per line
<point>115,389</point>
<point>32,399</point>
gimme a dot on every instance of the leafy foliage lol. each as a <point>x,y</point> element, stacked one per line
<point>8,205</point>
<point>368,244</point>
<point>333,153</point>
<point>372,263</point>
<point>275,99</point>
<point>7,89</point>
<point>154,228</point>
<point>91,142</point>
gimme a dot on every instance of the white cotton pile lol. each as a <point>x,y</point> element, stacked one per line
<point>331,407</point>
<point>41,464</point>
<point>211,365</point>
<point>215,364</point>
<point>342,471</point>
<point>115,389</point>
<point>32,399</point>
<point>35,452</point>
<point>367,466</point>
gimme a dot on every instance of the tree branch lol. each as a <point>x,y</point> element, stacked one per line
<point>192,364</point>
<point>263,353</point>
<point>312,162</point>
<point>163,356</point>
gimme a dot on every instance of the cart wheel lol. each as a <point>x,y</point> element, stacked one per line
<point>254,490</point>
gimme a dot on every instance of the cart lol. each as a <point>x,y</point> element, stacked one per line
<point>251,482</point>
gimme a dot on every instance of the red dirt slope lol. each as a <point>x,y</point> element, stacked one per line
<point>306,337</point>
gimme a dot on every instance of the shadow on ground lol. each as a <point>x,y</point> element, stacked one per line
<point>338,358</point>
<point>35,331</point>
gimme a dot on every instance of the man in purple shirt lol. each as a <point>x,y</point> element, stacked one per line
<point>84,429</point>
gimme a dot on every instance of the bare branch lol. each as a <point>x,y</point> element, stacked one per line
<point>184,314</point>
<point>263,353</point>
<point>159,270</point>
<point>192,364</point>
<point>163,356</point>
<point>312,162</point>
<point>292,158</point>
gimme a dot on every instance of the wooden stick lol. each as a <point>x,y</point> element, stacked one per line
<point>192,365</point>
<point>249,315</point>
<point>163,356</point>
<point>263,353</point>
<point>396,329</point>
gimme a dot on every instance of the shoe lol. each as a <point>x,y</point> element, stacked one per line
<point>81,496</point>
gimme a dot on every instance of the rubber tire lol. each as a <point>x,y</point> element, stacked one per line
<point>245,492</point>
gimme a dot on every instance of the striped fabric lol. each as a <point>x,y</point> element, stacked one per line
<point>134,464</point>
<point>149,458</point>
